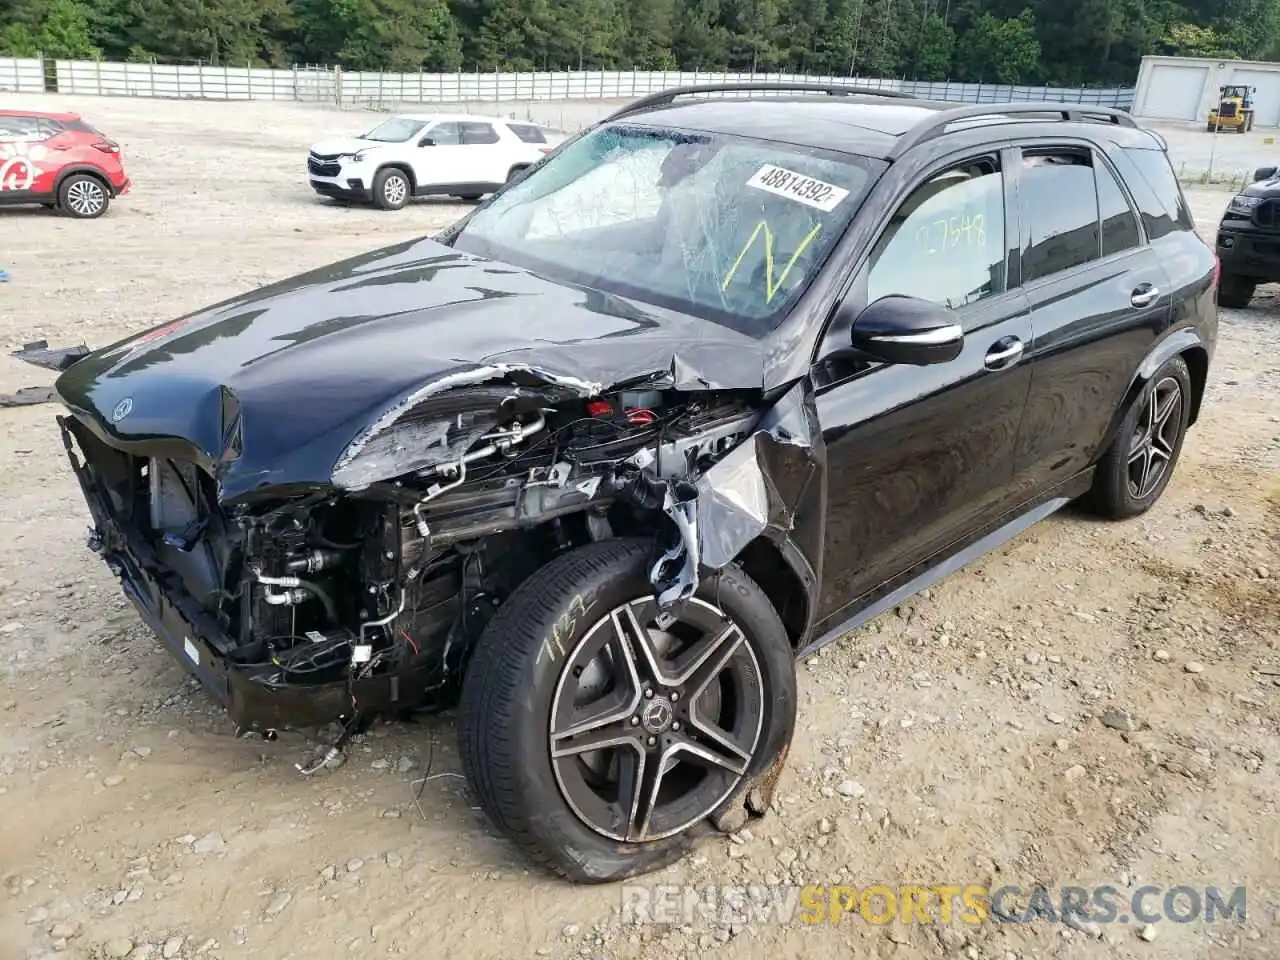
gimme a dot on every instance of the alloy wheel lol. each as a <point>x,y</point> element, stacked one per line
<point>655,719</point>
<point>395,190</point>
<point>86,197</point>
<point>1155,438</point>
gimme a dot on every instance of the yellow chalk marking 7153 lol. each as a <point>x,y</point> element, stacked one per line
<point>770,288</point>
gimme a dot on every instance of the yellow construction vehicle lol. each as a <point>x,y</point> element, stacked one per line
<point>1234,110</point>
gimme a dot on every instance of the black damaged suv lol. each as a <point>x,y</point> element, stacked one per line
<point>720,379</point>
<point>1249,239</point>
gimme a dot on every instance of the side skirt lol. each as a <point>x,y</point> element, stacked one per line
<point>976,549</point>
<point>456,189</point>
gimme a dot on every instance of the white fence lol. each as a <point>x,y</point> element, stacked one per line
<point>21,76</point>
<point>333,85</point>
<point>103,78</point>
<point>375,88</point>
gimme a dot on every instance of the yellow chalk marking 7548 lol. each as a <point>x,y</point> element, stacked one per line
<point>770,288</point>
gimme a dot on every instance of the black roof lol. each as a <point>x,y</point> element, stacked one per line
<point>859,125</point>
<point>882,126</point>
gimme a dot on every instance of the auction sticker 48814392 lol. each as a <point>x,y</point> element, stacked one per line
<point>796,186</point>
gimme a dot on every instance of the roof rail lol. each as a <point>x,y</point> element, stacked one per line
<point>937,125</point>
<point>664,97</point>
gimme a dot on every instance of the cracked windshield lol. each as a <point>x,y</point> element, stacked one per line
<point>726,228</point>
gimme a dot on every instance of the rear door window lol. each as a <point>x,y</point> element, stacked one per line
<point>444,134</point>
<point>478,133</point>
<point>1119,223</point>
<point>527,132</point>
<point>1155,187</point>
<point>1059,204</point>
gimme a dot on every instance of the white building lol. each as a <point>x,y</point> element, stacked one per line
<point>1186,88</point>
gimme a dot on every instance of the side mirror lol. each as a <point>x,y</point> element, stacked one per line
<point>1263,173</point>
<point>908,330</point>
<point>426,142</point>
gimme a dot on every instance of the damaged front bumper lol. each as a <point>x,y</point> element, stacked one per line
<point>770,485</point>
<point>253,697</point>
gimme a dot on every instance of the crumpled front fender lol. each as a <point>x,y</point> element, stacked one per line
<point>773,485</point>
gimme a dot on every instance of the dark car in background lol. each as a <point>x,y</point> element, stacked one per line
<point>716,381</point>
<point>1249,239</point>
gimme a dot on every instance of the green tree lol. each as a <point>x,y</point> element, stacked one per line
<point>19,40</point>
<point>700,41</point>
<point>1189,40</point>
<point>1032,41</point>
<point>65,31</point>
<point>935,49</point>
<point>404,35</point>
<point>234,32</point>
<point>1000,51</point>
<point>648,34</point>
<point>753,32</point>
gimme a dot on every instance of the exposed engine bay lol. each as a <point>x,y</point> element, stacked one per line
<point>372,592</point>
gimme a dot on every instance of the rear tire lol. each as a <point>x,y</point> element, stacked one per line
<point>391,188</point>
<point>1138,465</point>
<point>83,196</point>
<point>1235,291</point>
<point>576,645</point>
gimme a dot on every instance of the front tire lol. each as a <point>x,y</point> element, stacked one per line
<point>601,738</point>
<point>391,189</point>
<point>1235,291</point>
<point>1138,465</point>
<point>83,196</point>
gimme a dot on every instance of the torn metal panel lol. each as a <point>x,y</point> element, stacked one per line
<point>675,575</point>
<point>41,354</point>
<point>378,464</point>
<point>27,396</point>
<point>755,490</point>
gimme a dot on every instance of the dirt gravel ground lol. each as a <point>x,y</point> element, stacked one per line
<point>1092,704</point>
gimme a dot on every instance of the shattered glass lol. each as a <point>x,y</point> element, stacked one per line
<point>724,228</point>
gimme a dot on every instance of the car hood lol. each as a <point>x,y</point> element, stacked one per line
<point>340,145</point>
<point>1263,188</point>
<point>270,388</point>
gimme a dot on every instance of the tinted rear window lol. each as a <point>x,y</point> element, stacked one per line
<point>527,132</point>
<point>82,127</point>
<point>1155,187</point>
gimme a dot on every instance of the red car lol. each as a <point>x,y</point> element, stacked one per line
<point>59,161</point>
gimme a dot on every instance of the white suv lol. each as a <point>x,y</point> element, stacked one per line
<point>408,156</point>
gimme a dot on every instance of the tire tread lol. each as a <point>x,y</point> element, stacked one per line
<point>489,757</point>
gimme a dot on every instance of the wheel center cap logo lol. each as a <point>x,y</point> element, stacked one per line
<point>657,715</point>
<point>122,410</point>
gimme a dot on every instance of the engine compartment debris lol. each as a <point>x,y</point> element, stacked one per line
<point>40,354</point>
<point>365,597</point>
<point>27,396</point>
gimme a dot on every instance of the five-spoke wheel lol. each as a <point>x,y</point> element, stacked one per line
<point>1139,463</point>
<point>1155,441</point>
<point>655,719</point>
<point>602,734</point>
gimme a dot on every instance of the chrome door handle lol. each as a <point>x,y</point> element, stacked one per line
<point>998,357</point>
<point>1144,295</point>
